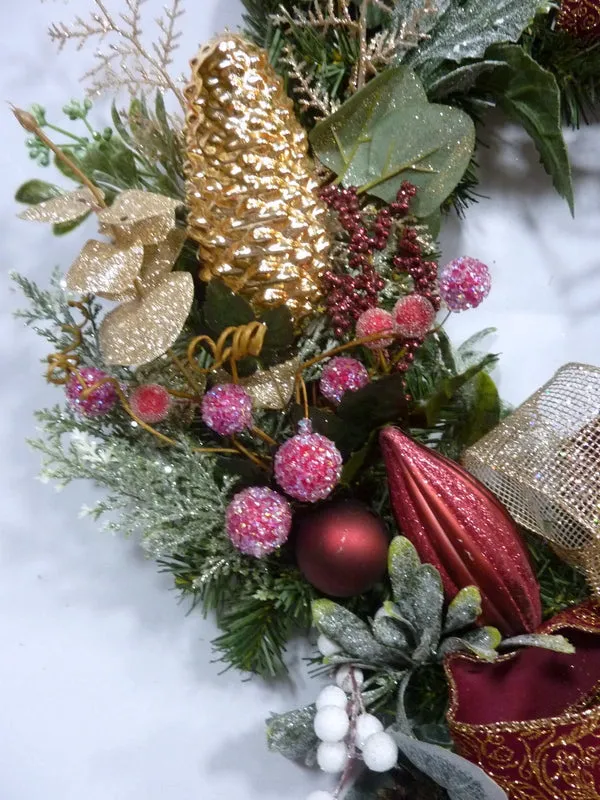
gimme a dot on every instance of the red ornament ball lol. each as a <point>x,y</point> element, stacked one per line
<point>413,315</point>
<point>341,548</point>
<point>99,401</point>
<point>308,466</point>
<point>342,375</point>
<point>372,321</point>
<point>227,409</point>
<point>258,521</point>
<point>151,402</point>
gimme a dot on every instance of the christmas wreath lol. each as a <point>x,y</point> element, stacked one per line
<point>255,367</point>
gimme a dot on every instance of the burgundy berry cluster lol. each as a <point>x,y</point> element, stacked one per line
<point>348,296</point>
<point>409,259</point>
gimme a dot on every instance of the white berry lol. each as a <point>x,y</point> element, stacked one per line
<point>344,680</point>
<point>320,796</point>
<point>380,752</point>
<point>332,696</point>
<point>332,756</point>
<point>326,647</point>
<point>331,724</point>
<point>366,725</point>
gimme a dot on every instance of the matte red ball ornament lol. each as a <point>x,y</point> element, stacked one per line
<point>341,548</point>
<point>457,525</point>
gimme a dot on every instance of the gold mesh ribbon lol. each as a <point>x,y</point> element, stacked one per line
<point>543,464</point>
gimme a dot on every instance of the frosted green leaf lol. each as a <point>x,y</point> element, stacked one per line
<point>461,779</point>
<point>392,635</point>
<point>557,643</point>
<point>349,631</point>
<point>292,734</point>
<point>463,610</point>
<point>481,642</point>
<point>467,29</point>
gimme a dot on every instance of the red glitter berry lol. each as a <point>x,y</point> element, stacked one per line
<point>151,402</point>
<point>258,520</point>
<point>227,409</point>
<point>372,321</point>
<point>342,375</point>
<point>413,316</point>
<point>99,401</point>
<point>308,466</point>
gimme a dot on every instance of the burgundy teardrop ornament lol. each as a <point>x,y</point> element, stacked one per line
<point>457,525</point>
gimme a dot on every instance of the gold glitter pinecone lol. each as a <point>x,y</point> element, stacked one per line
<point>251,191</point>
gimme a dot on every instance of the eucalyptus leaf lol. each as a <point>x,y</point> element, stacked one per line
<point>530,94</point>
<point>467,354</point>
<point>375,404</point>
<point>349,631</point>
<point>388,132</point>
<point>61,228</point>
<point>459,777</point>
<point>35,191</point>
<point>292,734</point>
<point>484,409</point>
<point>555,642</point>
<point>463,610</point>
<point>468,28</point>
<point>450,387</point>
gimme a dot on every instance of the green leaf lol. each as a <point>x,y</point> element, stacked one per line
<point>388,133</point>
<point>375,404</point>
<point>529,94</point>
<point>349,631</point>
<point>34,192</point>
<point>459,777</point>
<point>461,79</point>
<point>468,354</point>
<point>449,388</point>
<point>223,308</point>
<point>468,28</point>
<point>463,610</point>
<point>292,734</point>
<point>279,337</point>
<point>355,463</point>
<point>403,563</point>
<point>485,409</point>
<point>557,643</point>
<point>61,228</point>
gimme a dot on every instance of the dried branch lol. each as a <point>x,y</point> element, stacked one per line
<point>128,63</point>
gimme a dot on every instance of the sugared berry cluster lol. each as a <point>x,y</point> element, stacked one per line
<point>348,296</point>
<point>409,259</point>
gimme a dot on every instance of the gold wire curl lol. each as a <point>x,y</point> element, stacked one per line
<point>234,344</point>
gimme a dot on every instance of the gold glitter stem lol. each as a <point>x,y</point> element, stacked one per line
<point>28,121</point>
<point>362,45</point>
<point>187,374</point>
<point>244,451</point>
<point>348,346</point>
<point>264,436</point>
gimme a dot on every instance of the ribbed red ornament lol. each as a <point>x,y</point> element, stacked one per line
<point>457,525</point>
<point>580,18</point>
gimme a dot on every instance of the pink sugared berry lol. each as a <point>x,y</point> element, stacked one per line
<point>150,402</point>
<point>258,520</point>
<point>342,375</point>
<point>227,409</point>
<point>308,466</point>
<point>372,321</point>
<point>99,402</point>
<point>413,316</point>
<point>464,283</point>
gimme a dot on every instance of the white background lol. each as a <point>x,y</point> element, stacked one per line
<point>107,691</point>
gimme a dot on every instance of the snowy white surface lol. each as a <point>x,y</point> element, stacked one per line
<point>107,691</point>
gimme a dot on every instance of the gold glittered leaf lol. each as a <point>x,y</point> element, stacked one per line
<point>252,194</point>
<point>64,208</point>
<point>270,388</point>
<point>158,261</point>
<point>105,270</point>
<point>139,216</point>
<point>141,330</point>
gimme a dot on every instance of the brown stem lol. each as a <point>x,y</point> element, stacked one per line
<point>264,436</point>
<point>28,121</point>
<point>244,451</point>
